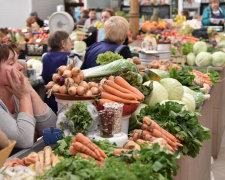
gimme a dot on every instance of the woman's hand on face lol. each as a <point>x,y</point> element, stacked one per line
<point>18,83</point>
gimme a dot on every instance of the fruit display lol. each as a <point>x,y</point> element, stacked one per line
<point>98,25</point>
<point>179,20</point>
<point>153,26</point>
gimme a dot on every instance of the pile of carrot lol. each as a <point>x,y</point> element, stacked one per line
<point>150,130</point>
<point>190,38</point>
<point>201,78</point>
<point>27,161</point>
<point>85,147</point>
<point>116,89</point>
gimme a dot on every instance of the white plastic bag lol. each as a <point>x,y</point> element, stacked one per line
<point>93,127</point>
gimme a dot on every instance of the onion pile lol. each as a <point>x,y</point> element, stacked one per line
<point>70,81</point>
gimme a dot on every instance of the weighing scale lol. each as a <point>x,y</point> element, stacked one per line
<point>216,28</point>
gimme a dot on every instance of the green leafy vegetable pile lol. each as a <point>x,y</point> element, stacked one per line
<point>78,117</point>
<point>62,147</point>
<point>108,57</point>
<point>106,146</point>
<point>184,124</point>
<point>184,77</point>
<point>148,164</point>
<point>187,48</point>
<point>75,168</point>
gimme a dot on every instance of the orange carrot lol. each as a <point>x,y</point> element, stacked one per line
<point>131,139</point>
<point>158,134</point>
<point>144,132</point>
<point>105,95</point>
<point>170,148</point>
<point>79,147</point>
<point>103,101</point>
<point>27,161</point>
<point>111,78</point>
<point>137,134</point>
<point>120,151</point>
<point>141,141</point>
<point>100,150</point>
<point>118,93</point>
<point>73,139</point>
<point>149,137</point>
<point>120,81</point>
<point>87,142</point>
<point>72,150</point>
<point>153,125</point>
<point>116,86</point>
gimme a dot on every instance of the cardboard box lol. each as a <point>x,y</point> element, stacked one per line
<point>4,153</point>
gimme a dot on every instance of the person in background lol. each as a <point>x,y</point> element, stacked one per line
<point>21,109</point>
<point>84,17</point>
<point>92,18</point>
<point>115,34</point>
<point>32,24</point>
<point>60,45</point>
<point>213,15</point>
<point>185,13</point>
<point>30,21</point>
<point>38,20</point>
<point>97,34</point>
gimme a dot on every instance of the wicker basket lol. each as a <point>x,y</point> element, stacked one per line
<point>178,59</point>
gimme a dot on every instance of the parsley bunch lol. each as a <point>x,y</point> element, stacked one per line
<point>62,147</point>
<point>184,77</point>
<point>81,118</point>
<point>184,124</point>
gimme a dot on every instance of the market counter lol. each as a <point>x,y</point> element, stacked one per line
<point>198,168</point>
<point>218,114</point>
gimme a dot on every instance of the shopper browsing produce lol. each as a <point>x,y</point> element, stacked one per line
<point>60,45</point>
<point>214,14</point>
<point>97,34</point>
<point>115,32</point>
<point>92,18</point>
<point>84,17</point>
<point>21,109</point>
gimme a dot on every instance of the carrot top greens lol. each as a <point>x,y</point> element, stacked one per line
<point>184,124</point>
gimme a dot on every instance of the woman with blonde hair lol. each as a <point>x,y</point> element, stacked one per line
<point>115,33</point>
<point>97,34</point>
<point>213,15</point>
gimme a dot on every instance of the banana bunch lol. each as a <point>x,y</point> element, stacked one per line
<point>179,20</point>
<point>98,25</point>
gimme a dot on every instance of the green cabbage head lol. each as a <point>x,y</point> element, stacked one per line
<point>218,58</point>
<point>203,59</point>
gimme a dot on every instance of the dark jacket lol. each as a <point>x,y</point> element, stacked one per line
<point>51,62</point>
<point>99,48</point>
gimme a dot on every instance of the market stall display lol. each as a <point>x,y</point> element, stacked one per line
<point>144,112</point>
